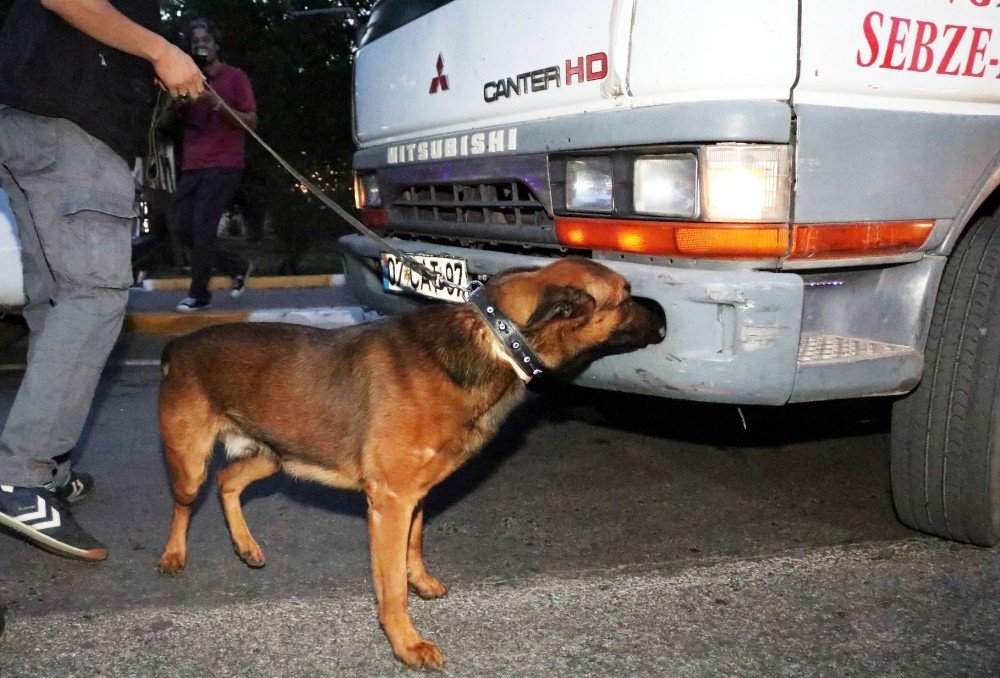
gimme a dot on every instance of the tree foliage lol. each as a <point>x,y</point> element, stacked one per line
<point>301,73</point>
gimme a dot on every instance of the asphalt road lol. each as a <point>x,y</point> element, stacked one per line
<point>598,535</point>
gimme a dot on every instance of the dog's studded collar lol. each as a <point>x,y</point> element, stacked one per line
<point>520,356</point>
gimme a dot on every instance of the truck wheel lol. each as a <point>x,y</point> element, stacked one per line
<point>945,437</point>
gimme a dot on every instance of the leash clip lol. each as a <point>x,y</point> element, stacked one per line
<point>473,287</point>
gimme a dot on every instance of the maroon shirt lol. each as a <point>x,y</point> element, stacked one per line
<point>212,138</point>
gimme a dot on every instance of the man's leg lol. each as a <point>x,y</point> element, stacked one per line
<point>182,206</point>
<point>80,196</point>
<point>215,193</point>
<point>40,290</point>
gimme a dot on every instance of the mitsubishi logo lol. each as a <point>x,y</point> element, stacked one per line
<point>441,80</point>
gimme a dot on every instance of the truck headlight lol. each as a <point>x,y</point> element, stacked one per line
<point>366,193</point>
<point>746,183</point>
<point>666,185</point>
<point>589,184</point>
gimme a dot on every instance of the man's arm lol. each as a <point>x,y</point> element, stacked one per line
<point>100,20</point>
<point>241,100</point>
<point>249,117</point>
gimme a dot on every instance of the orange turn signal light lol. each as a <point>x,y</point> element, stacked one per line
<point>672,238</point>
<point>743,240</point>
<point>870,238</point>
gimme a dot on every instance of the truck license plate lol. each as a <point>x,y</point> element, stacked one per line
<point>396,277</point>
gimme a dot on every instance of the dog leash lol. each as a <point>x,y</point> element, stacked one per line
<point>518,352</point>
<point>411,263</point>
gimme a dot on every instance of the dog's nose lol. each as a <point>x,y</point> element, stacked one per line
<point>655,320</point>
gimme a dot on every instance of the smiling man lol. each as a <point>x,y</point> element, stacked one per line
<point>214,155</point>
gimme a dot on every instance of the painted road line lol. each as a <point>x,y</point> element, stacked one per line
<point>178,322</point>
<point>255,282</point>
<point>147,362</point>
<point>174,323</point>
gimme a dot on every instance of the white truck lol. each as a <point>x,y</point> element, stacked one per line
<point>807,189</point>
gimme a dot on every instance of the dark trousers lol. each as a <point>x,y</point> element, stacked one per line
<point>201,198</point>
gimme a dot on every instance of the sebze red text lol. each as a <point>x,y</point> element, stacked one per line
<point>905,44</point>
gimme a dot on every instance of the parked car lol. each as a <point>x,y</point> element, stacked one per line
<point>11,284</point>
<point>149,243</point>
<point>807,189</point>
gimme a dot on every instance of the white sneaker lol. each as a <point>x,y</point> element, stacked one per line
<point>240,282</point>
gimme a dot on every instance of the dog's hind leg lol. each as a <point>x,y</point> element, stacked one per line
<point>189,431</point>
<point>389,518</point>
<point>232,481</point>
<point>425,586</point>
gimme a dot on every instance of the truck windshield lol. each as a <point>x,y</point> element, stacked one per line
<point>388,15</point>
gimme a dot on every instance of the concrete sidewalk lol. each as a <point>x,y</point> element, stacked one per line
<point>313,300</point>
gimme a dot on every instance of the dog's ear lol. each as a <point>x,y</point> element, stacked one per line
<point>561,302</point>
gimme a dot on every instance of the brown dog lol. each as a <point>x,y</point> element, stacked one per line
<point>390,407</point>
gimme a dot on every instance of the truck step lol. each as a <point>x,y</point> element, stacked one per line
<point>822,349</point>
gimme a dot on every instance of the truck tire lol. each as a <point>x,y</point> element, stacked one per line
<point>945,439</point>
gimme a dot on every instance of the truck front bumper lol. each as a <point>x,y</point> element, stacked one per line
<point>732,336</point>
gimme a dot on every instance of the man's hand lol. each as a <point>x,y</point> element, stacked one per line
<point>177,73</point>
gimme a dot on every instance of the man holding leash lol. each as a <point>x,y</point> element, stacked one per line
<point>76,78</point>
<point>214,155</point>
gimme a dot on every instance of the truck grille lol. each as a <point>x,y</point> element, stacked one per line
<point>503,203</point>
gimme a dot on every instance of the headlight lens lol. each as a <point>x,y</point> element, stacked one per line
<point>746,183</point>
<point>589,184</point>
<point>666,185</point>
<point>366,192</point>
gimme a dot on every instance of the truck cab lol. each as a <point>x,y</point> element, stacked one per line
<point>797,184</point>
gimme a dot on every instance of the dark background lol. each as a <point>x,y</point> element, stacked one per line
<point>301,73</point>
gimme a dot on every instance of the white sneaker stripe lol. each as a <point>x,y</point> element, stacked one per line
<point>7,488</point>
<point>55,522</point>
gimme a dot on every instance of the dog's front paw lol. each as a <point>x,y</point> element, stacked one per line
<point>421,655</point>
<point>250,554</point>
<point>172,563</point>
<point>428,587</point>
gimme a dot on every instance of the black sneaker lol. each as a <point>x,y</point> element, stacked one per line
<point>78,487</point>
<point>40,516</point>
<point>192,304</point>
<point>240,282</point>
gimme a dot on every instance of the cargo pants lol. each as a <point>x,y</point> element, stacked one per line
<point>74,201</point>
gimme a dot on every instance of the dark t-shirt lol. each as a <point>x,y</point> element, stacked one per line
<point>210,140</point>
<point>49,68</point>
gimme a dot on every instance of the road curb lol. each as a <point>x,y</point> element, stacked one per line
<point>174,323</point>
<point>254,283</point>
